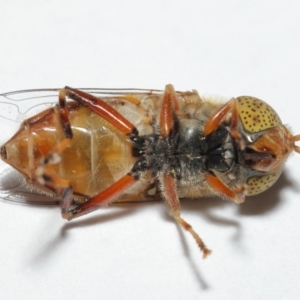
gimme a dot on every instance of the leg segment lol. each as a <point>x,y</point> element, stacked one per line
<point>217,185</point>
<point>64,115</point>
<point>115,118</point>
<point>214,121</point>
<point>169,193</point>
<point>105,197</point>
<point>102,109</point>
<point>211,125</point>
<point>53,181</point>
<point>169,106</point>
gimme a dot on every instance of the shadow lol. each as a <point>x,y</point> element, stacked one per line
<point>50,247</point>
<point>255,205</point>
<point>91,221</point>
<point>16,190</point>
<point>206,209</point>
<point>193,266</point>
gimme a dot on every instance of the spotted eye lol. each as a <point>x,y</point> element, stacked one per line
<point>256,115</point>
<point>257,185</point>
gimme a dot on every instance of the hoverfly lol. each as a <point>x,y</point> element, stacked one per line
<point>106,146</point>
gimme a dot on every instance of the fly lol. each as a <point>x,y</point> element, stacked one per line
<point>105,146</point>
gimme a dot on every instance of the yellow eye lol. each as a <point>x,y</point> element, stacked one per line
<point>256,115</point>
<point>257,185</point>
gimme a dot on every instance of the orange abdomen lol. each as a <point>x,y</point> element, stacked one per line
<point>98,155</point>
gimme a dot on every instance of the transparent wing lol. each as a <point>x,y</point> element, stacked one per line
<point>15,107</point>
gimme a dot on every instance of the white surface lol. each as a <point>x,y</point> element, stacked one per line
<point>229,48</point>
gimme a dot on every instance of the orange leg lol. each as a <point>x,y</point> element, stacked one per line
<point>64,114</point>
<point>217,185</point>
<point>211,125</point>
<point>214,121</point>
<point>102,109</point>
<point>169,106</point>
<point>168,188</point>
<point>105,197</point>
<point>115,118</point>
<point>52,181</point>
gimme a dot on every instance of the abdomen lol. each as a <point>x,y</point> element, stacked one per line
<point>98,155</point>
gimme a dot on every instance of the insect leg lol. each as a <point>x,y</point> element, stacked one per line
<point>67,194</point>
<point>170,105</point>
<point>53,181</point>
<point>64,115</point>
<point>236,195</point>
<point>102,109</point>
<point>214,121</point>
<point>217,185</point>
<point>107,112</point>
<point>168,188</point>
<point>105,197</point>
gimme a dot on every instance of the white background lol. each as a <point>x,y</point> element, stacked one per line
<point>229,48</point>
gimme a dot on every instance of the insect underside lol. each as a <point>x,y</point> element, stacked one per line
<point>94,150</point>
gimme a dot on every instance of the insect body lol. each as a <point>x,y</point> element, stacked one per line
<point>94,150</point>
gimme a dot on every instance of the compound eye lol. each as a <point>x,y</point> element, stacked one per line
<point>259,184</point>
<point>256,115</point>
